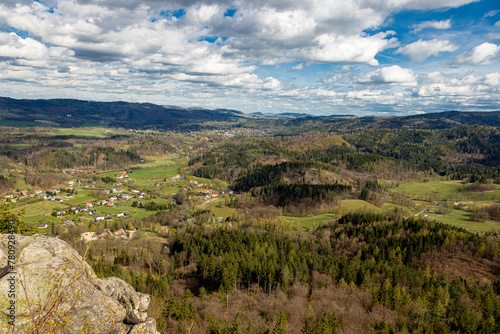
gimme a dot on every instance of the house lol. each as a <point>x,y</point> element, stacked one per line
<point>24,192</point>
<point>122,214</point>
<point>98,218</point>
<point>71,183</point>
<point>42,225</point>
<point>69,195</point>
<point>123,175</point>
<point>121,233</point>
<point>47,196</point>
<point>88,204</point>
<point>58,200</point>
<point>38,192</point>
<point>60,213</point>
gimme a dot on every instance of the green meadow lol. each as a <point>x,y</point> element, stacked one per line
<point>437,189</point>
<point>80,198</point>
<point>311,222</point>
<point>40,208</point>
<point>221,211</point>
<point>86,132</point>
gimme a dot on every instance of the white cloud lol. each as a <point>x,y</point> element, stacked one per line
<point>492,79</point>
<point>299,66</point>
<point>446,24</point>
<point>468,87</point>
<point>391,75</point>
<point>480,55</point>
<point>349,49</point>
<point>106,49</point>
<point>493,35</point>
<point>491,13</point>
<point>421,50</point>
<point>497,24</point>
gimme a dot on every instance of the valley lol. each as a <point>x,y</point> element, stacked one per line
<point>316,227</point>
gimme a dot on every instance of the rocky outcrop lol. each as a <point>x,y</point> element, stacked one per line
<point>55,290</point>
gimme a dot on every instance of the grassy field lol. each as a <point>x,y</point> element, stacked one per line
<point>80,198</point>
<point>134,212</point>
<point>40,208</point>
<point>460,218</point>
<point>145,176</point>
<point>37,218</point>
<point>148,173</point>
<point>154,161</point>
<point>351,205</point>
<point>149,234</point>
<point>311,222</point>
<point>87,132</point>
<point>224,211</point>
<point>169,190</point>
<point>437,189</point>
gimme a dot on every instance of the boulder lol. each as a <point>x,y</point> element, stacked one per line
<point>55,290</point>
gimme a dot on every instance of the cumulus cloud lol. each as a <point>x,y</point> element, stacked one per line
<point>446,24</point>
<point>391,75</point>
<point>182,50</point>
<point>349,49</point>
<point>480,55</point>
<point>421,50</point>
<point>468,87</point>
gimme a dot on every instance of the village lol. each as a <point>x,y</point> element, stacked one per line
<point>111,205</point>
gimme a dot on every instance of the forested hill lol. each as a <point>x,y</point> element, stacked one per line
<point>76,113</point>
<point>442,120</point>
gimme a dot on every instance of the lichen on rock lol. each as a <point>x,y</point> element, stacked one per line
<point>57,291</point>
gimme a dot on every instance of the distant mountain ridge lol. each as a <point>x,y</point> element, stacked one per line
<point>71,113</point>
<point>77,113</point>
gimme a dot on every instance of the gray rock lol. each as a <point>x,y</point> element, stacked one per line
<point>57,291</point>
<point>135,303</point>
<point>147,327</point>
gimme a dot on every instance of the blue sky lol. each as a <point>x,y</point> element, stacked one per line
<point>323,57</point>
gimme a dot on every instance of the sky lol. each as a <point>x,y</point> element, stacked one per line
<point>321,57</point>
